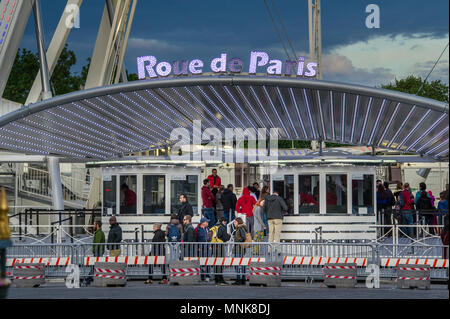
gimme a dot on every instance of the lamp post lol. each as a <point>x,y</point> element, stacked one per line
<point>5,235</point>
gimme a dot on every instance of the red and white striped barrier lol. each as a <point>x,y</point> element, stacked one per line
<point>27,267</point>
<point>110,276</point>
<point>409,278</point>
<point>28,278</point>
<point>110,271</point>
<point>339,267</point>
<point>433,263</point>
<point>48,261</point>
<point>224,261</point>
<point>129,260</point>
<point>184,269</point>
<point>265,274</point>
<point>265,271</point>
<point>182,272</point>
<point>412,268</point>
<point>339,277</point>
<point>318,261</point>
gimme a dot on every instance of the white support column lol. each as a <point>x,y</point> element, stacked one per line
<point>45,77</point>
<point>57,195</point>
<point>296,195</point>
<point>323,193</point>
<point>54,50</point>
<point>349,194</point>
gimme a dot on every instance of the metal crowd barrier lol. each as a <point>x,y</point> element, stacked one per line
<point>301,261</point>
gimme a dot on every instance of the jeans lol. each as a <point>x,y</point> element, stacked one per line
<point>251,225</point>
<point>407,219</point>
<point>229,215</point>
<point>209,214</point>
<point>266,232</point>
<point>240,270</point>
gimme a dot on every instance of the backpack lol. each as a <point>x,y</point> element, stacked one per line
<point>424,202</point>
<point>210,234</point>
<point>214,231</point>
<point>174,233</point>
<point>401,200</point>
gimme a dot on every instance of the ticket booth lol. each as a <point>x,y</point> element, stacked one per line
<point>327,202</point>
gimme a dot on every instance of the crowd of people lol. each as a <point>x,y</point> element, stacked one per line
<point>407,209</point>
<point>257,216</point>
<point>253,217</point>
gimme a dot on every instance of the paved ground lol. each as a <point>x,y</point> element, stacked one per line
<point>291,290</point>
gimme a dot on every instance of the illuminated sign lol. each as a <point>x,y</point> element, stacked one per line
<point>148,66</point>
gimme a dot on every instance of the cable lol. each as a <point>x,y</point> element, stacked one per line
<point>432,69</point>
<point>276,29</point>
<point>284,29</point>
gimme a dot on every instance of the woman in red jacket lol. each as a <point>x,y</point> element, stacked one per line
<point>244,206</point>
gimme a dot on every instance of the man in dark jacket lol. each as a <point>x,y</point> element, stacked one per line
<point>201,233</point>
<point>274,206</point>
<point>185,209</point>
<point>158,249</point>
<point>219,248</point>
<point>188,237</point>
<point>229,201</point>
<point>114,237</point>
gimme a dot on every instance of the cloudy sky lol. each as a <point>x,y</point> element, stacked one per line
<point>411,36</point>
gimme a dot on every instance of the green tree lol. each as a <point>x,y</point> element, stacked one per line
<point>26,67</point>
<point>23,72</point>
<point>436,90</point>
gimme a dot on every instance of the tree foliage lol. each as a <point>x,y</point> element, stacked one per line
<point>26,67</point>
<point>436,90</point>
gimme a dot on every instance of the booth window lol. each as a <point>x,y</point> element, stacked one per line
<point>188,186</point>
<point>309,186</point>
<point>285,189</point>
<point>128,194</point>
<point>362,194</point>
<point>336,193</point>
<point>154,194</point>
<point>109,195</point>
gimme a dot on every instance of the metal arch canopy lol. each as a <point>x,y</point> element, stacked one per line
<point>106,122</point>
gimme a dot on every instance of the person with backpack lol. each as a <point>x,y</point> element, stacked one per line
<point>174,230</point>
<point>424,203</point>
<point>219,236</point>
<point>244,207</point>
<point>406,206</point>
<point>158,249</point>
<point>240,236</point>
<point>202,233</point>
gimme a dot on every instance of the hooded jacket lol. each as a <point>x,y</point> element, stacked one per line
<point>245,203</point>
<point>229,200</point>
<point>274,206</point>
<point>207,197</point>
